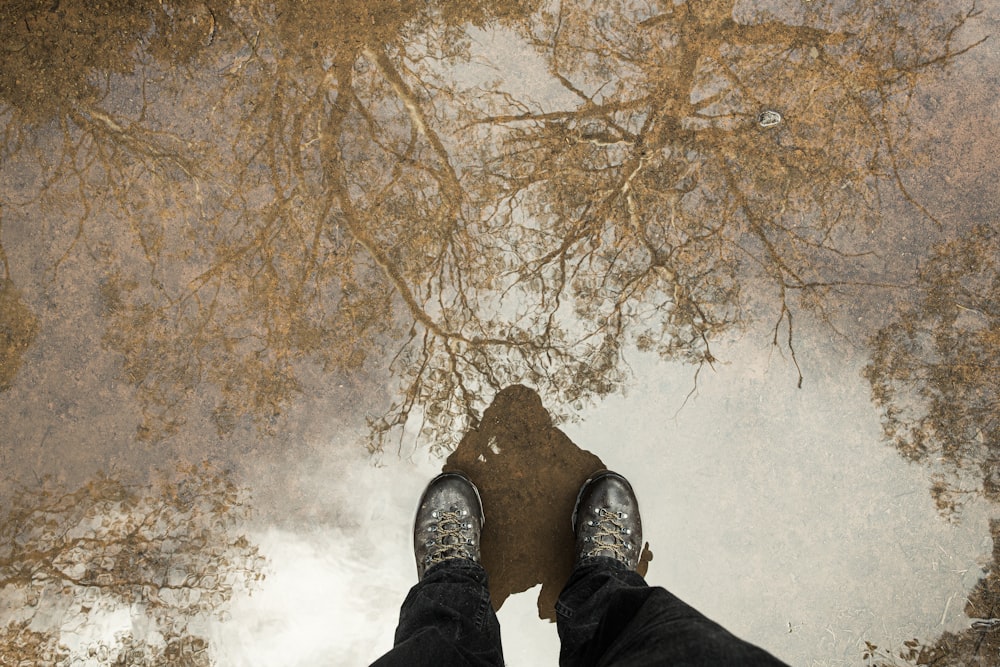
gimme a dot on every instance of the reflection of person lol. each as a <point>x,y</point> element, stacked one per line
<point>528,473</point>
<point>606,613</point>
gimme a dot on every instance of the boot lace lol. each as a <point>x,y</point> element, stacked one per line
<point>450,539</point>
<point>609,535</point>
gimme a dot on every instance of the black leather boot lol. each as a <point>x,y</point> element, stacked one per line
<point>606,519</point>
<point>449,521</point>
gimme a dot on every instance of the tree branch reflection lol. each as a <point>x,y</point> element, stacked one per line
<point>935,371</point>
<point>171,552</point>
<point>331,183</point>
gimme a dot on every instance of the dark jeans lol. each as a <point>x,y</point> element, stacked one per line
<point>607,615</point>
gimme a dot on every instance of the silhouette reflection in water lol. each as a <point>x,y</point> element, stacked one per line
<point>528,473</point>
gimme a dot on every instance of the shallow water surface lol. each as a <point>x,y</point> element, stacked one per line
<point>267,267</point>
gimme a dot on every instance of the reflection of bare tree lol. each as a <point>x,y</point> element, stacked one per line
<point>352,191</point>
<point>978,646</point>
<point>936,369</point>
<point>59,57</point>
<point>18,324</point>
<point>330,163</point>
<point>641,209</point>
<point>61,62</point>
<point>657,193</point>
<point>127,651</point>
<point>19,644</point>
<point>171,551</point>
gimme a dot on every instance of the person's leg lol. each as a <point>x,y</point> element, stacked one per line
<point>608,615</point>
<point>447,619</point>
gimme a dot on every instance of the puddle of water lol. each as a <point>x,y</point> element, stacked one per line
<point>773,518</point>
<point>230,230</point>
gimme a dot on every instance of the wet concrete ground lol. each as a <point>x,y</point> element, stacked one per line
<point>266,269</point>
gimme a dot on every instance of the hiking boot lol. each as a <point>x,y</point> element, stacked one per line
<point>449,522</point>
<point>606,520</point>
